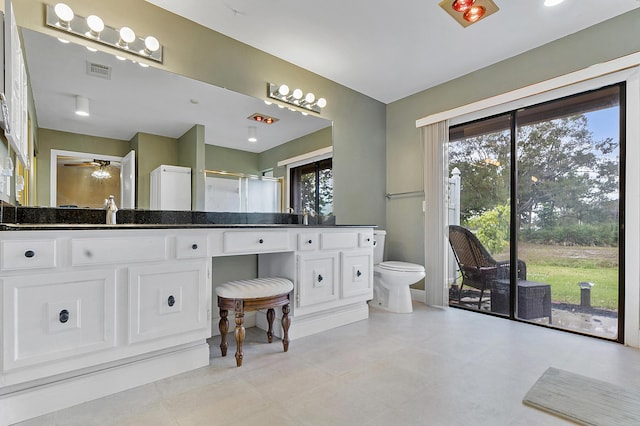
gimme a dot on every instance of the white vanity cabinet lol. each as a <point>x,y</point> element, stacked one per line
<point>117,308</point>
<point>89,312</point>
<point>334,270</point>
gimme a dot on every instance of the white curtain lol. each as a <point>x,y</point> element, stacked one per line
<point>435,137</point>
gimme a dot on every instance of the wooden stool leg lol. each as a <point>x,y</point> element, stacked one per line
<point>239,310</point>
<point>271,314</point>
<point>286,322</point>
<point>223,325</point>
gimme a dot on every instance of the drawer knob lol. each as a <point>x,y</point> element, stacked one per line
<point>320,278</point>
<point>194,246</point>
<point>63,316</point>
<point>171,301</point>
<point>29,253</point>
<point>261,241</point>
<point>310,242</point>
<point>368,239</point>
<point>358,273</point>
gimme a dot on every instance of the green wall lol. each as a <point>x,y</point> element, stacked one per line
<point>191,153</point>
<point>308,143</point>
<point>608,40</point>
<point>231,160</point>
<point>151,152</point>
<point>199,53</point>
<point>54,139</point>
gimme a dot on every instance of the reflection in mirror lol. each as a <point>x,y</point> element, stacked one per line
<point>162,116</point>
<point>85,181</point>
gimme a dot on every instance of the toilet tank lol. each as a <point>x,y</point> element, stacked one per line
<point>378,248</point>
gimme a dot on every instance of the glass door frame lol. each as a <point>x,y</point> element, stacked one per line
<point>580,81</point>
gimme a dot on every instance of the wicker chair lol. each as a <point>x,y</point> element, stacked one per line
<point>476,265</point>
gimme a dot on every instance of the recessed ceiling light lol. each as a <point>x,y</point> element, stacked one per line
<point>551,3</point>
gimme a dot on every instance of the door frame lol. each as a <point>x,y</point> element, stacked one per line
<point>53,168</point>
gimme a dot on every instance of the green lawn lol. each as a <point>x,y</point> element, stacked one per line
<point>565,267</point>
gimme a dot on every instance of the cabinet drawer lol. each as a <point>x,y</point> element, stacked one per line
<point>338,240</point>
<point>365,239</point>
<point>168,300</point>
<point>100,251</point>
<point>55,316</point>
<point>28,254</point>
<point>189,247</point>
<point>255,241</point>
<point>307,242</point>
<point>317,279</point>
<point>357,274</point>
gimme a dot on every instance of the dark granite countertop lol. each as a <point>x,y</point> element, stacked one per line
<point>50,218</point>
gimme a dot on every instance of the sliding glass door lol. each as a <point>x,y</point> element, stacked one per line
<point>540,195</point>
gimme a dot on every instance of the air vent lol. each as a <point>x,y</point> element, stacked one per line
<point>97,70</point>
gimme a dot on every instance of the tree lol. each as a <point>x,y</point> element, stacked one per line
<point>564,176</point>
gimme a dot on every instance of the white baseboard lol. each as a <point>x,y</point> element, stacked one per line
<point>29,403</point>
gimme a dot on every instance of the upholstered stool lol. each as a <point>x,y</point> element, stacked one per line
<point>251,295</point>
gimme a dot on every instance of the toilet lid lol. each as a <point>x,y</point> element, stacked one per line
<point>401,266</point>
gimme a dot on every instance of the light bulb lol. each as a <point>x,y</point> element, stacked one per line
<point>151,44</point>
<point>126,36</point>
<point>322,102</point>
<point>297,94</point>
<point>283,90</point>
<point>64,13</point>
<point>309,98</point>
<point>96,25</point>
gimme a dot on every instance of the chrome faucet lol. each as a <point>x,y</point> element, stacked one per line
<point>111,208</point>
<point>305,215</point>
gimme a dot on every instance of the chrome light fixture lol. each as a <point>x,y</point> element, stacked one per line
<point>62,18</point>
<point>296,98</point>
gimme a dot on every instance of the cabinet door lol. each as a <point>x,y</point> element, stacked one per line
<point>357,273</point>
<point>168,299</point>
<point>317,279</point>
<point>54,316</point>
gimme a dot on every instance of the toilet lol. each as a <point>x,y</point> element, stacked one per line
<point>391,279</point>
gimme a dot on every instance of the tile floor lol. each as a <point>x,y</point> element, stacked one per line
<point>432,367</point>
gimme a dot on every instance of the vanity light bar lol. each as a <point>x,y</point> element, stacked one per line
<point>306,102</point>
<point>62,18</point>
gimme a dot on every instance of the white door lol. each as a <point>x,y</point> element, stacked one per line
<point>128,181</point>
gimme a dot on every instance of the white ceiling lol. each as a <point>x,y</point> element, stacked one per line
<point>147,100</point>
<point>392,49</point>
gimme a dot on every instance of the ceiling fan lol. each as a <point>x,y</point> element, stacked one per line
<point>101,167</point>
<point>94,163</point>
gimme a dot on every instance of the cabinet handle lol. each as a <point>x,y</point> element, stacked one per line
<point>63,316</point>
<point>194,246</point>
<point>368,239</point>
<point>310,241</point>
<point>29,253</point>
<point>320,278</point>
<point>171,300</point>
<point>261,241</point>
<point>358,273</point>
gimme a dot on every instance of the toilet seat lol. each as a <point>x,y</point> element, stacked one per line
<point>401,266</point>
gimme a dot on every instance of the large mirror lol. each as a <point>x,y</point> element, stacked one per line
<point>166,119</point>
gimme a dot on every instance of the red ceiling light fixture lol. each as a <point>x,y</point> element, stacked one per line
<point>474,13</point>
<point>262,118</point>
<point>462,5</point>
<point>467,12</point>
